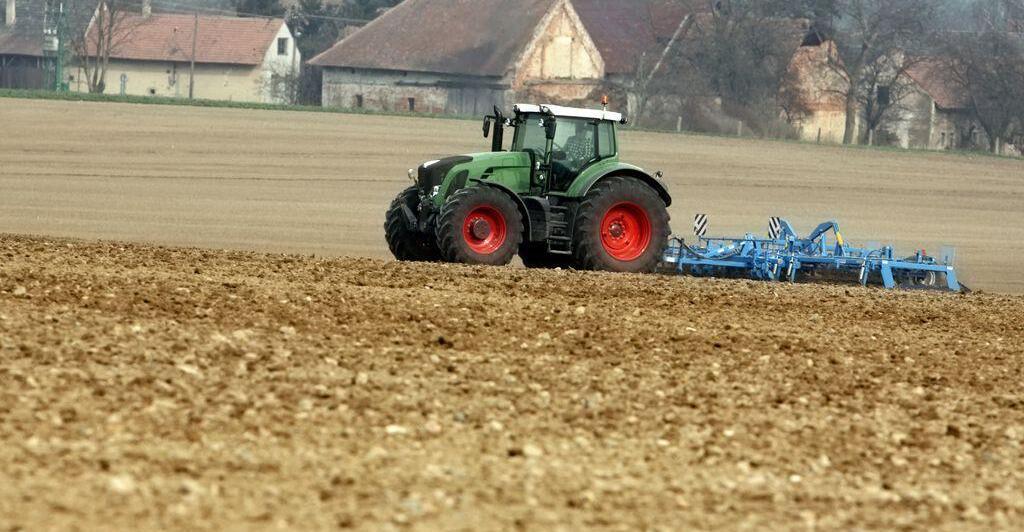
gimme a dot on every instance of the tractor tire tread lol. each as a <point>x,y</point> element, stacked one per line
<point>449,226</point>
<point>407,245</point>
<point>587,247</point>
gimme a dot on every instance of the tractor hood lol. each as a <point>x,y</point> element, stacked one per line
<point>433,173</point>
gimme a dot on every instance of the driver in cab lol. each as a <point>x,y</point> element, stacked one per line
<point>578,151</point>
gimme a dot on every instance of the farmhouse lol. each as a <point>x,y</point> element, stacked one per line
<point>236,59</point>
<point>463,57</point>
<point>820,88</point>
<point>936,114</point>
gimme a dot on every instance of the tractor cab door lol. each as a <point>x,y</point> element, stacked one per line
<point>531,138</point>
<point>579,143</point>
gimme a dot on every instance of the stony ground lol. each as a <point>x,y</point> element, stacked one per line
<point>147,387</point>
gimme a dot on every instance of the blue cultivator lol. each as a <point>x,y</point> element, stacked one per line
<point>784,256</point>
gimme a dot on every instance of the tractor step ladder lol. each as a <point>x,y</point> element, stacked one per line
<point>560,231</point>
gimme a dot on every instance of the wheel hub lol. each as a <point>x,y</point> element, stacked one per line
<point>480,229</point>
<point>616,230</point>
<point>626,231</point>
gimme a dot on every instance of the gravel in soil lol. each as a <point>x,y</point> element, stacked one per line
<point>148,387</point>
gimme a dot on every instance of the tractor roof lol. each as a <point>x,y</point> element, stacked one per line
<point>570,112</point>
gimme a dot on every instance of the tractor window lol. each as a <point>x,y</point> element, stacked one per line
<point>530,136</point>
<point>606,140</point>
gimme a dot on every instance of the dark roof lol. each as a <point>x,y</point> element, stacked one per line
<point>935,78</point>
<point>221,40</point>
<point>486,37</point>
<point>26,36</point>
<point>18,43</point>
<point>623,30</point>
<point>473,37</point>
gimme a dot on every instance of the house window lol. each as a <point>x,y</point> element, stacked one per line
<point>359,101</point>
<point>412,105</point>
<point>884,96</point>
<point>282,46</point>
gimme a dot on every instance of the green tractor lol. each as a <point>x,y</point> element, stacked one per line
<point>559,197</point>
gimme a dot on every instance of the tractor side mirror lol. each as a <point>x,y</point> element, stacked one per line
<point>487,127</point>
<point>549,128</point>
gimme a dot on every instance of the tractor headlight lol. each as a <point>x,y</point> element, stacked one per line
<point>412,174</point>
<point>435,191</point>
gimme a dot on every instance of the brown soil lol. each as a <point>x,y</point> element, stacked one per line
<point>319,183</point>
<point>145,387</point>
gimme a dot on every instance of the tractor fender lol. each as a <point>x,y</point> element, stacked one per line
<point>581,188</point>
<point>527,225</point>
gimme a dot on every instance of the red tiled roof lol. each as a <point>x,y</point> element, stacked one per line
<point>470,37</point>
<point>221,40</point>
<point>935,79</point>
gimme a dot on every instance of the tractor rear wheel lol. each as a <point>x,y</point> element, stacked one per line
<point>479,225</point>
<point>622,225</point>
<point>405,243</point>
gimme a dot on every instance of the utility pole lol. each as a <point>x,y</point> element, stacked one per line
<point>62,38</point>
<point>54,42</point>
<point>192,63</point>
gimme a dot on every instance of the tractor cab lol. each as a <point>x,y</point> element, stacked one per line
<point>555,193</point>
<point>560,141</point>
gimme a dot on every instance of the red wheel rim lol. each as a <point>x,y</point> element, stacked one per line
<point>626,231</point>
<point>485,230</point>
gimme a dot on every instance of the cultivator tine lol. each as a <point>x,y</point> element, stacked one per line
<point>700,225</point>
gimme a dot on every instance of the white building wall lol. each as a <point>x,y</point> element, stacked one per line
<point>280,72</point>
<point>269,82</point>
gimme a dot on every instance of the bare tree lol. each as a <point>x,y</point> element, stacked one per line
<point>109,25</point>
<point>886,87</point>
<point>868,33</point>
<point>743,49</point>
<point>988,67</point>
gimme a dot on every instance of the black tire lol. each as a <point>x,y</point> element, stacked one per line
<point>406,244</point>
<point>488,210</point>
<point>535,255</point>
<point>628,244</point>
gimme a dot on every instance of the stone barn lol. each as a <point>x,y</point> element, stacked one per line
<point>463,57</point>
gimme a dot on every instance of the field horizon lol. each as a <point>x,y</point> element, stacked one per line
<point>318,184</point>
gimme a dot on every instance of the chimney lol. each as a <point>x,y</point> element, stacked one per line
<point>11,13</point>
<point>147,8</point>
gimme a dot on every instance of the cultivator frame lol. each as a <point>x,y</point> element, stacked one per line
<point>784,256</point>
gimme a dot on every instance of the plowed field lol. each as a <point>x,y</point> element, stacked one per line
<point>319,183</point>
<point>148,387</point>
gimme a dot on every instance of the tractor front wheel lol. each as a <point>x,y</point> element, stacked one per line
<point>622,225</point>
<point>479,225</point>
<point>405,243</point>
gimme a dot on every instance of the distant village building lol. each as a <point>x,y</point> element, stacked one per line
<point>821,113</point>
<point>22,61</point>
<point>236,59</point>
<point>464,57</point>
